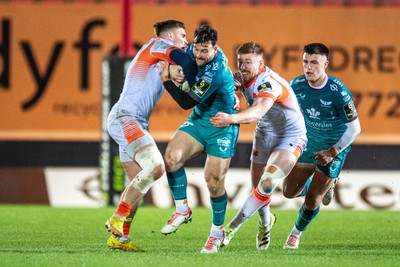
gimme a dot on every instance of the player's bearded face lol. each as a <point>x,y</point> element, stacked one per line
<point>249,65</point>
<point>314,67</point>
<point>204,53</point>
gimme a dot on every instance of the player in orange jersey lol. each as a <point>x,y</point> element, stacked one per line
<point>279,137</point>
<point>129,118</point>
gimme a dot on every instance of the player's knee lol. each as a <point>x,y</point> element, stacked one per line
<point>171,162</point>
<point>288,193</point>
<point>215,186</point>
<point>158,171</point>
<point>271,178</point>
<point>151,161</point>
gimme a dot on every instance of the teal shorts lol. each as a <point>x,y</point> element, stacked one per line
<point>217,142</point>
<point>331,170</point>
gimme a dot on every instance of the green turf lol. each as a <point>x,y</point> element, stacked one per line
<point>44,236</point>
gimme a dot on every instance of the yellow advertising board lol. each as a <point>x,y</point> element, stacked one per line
<point>51,57</point>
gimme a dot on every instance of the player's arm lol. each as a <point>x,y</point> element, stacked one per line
<point>349,115</point>
<point>164,51</point>
<point>181,97</point>
<point>325,157</point>
<point>252,114</point>
<point>188,65</point>
<point>348,137</point>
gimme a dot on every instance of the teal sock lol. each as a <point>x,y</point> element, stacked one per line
<point>305,217</point>
<point>177,182</point>
<point>218,206</point>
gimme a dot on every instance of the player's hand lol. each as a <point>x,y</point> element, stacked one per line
<point>176,74</point>
<point>323,157</point>
<point>163,66</point>
<point>238,79</point>
<point>220,120</point>
<point>236,106</point>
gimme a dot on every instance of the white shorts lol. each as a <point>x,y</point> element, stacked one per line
<point>129,131</point>
<point>264,144</point>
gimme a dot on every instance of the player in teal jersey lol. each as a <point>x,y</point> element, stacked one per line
<point>332,125</point>
<point>213,92</point>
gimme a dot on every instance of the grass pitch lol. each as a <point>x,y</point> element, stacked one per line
<point>45,236</point>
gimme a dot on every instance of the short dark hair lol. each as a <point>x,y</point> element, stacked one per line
<point>316,48</point>
<point>250,48</point>
<point>205,33</point>
<point>166,25</point>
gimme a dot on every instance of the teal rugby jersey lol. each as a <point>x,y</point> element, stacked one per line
<point>325,110</point>
<point>214,87</point>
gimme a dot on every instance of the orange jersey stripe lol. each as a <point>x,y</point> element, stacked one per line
<point>285,92</point>
<point>266,94</point>
<point>131,130</point>
<point>145,59</point>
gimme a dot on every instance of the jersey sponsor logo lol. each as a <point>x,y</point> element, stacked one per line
<point>301,96</point>
<point>346,96</point>
<point>350,110</point>
<point>325,103</point>
<point>223,144</point>
<point>333,87</point>
<point>208,76</point>
<point>299,80</point>
<point>201,88</point>
<point>313,113</point>
<point>187,124</point>
<point>319,125</point>
<point>335,165</point>
<point>213,66</point>
<point>264,87</point>
<point>338,82</point>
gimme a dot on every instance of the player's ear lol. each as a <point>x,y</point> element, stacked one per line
<point>261,64</point>
<point>326,64</point>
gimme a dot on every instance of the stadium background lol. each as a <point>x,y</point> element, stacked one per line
<point>53,52</point>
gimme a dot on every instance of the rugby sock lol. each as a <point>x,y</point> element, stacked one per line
<point>218,207</point>
<point>126,228</point>
<point>123,209</point>
<point>305,189</point>
<point>178,183</point>
<point>254,202</point>
<point>295,232</point>
<point>305,217</point>
<point>216,231</point>
<point>263,212</point>
<point>181,206</point>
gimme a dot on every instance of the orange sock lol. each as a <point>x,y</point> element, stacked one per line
<point>262,197</point>
<point>127,227</point>
<point>123,209</point>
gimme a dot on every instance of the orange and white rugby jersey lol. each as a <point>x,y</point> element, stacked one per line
<point>284,118</point>
<point>143,86</point>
